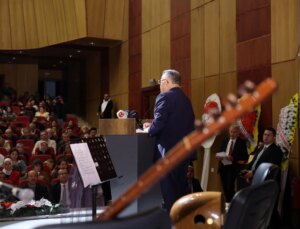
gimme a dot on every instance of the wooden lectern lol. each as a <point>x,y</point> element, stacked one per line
<point>117,126</point>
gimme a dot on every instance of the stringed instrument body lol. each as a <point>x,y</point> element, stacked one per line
<point>201,210</point>
<point>183,149</point>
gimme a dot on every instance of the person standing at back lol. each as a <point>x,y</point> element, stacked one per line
<point>233,162</point>
<point>173,119</point>
<point>105,108</point>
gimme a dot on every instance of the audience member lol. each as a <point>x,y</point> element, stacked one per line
<point>17,162</point>
<point>39,190</point>
<point>61,190</point>
<point>193,183</point>
<point>12,177</point>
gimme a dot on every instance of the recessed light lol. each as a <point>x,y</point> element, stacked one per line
<point>14,58</point>
<point>79,51</point>
<point>92,43</point>
<point>70,55</point>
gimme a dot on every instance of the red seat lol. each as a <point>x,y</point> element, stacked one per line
<point>3,151</point>
<point>4,104</point>
<point>24,119</point>
<point>73,118</point>
<point>16,109</point>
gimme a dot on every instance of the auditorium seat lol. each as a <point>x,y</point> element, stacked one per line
<point>3,151</point>
<point>24,119</point>
<point>155,218</point>
<point>73,118</point>
<point>265,171</point>
<point>252,207</point>
<point>16,109</point>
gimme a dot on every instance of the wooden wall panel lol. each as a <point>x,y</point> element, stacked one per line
<point>250,24</point>
<point>227,36</point>
<point>22,77</point>
<point>146,60</point>
<point>40,23</point>
<point>197,43</point>
<point>81,17</point>
<point>5,30</point>
<point>254,53</point>
<point>285,30</point>
<point>72,20</point>
<point>146,15</point>
<point>17,24</point>
<point>95,11</point>
<point>248,5</point>
<point>155,52</point>
<point>125,29</point>
<point>165,49</point>
<point>196,3</point>
<point>114,17</point>
<point>228,84</point>
<point>31,31</point>
<point>165,11</point>
<point>27,78</point>
<point>211,38</point>
<point>155,13</point>
<point>51,23</point>
<point>211,85</point>
<point>287,76</point>
<point>118,60</point>
<point>197,96</point>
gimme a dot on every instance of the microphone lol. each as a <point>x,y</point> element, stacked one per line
<point>25,194</point>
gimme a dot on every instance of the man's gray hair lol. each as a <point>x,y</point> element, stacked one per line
<point>173,75</point>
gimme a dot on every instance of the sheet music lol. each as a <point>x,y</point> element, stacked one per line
<point>225,161</point>
<point>85,163</point>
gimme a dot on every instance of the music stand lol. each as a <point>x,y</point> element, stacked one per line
<point>100,160</point>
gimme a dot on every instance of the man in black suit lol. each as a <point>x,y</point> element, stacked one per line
<point>268,152</point>
<point>105,108</point>
<point>173,119</point>
<point>232,163</point>
<point>40,191</point>
<point>61,190</point>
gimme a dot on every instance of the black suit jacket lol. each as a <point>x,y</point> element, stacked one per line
<point>173,119</point>
<point>107,113</point>
<point>196,185</point>
<point>239,152</point>
<point>55,193</point>
<point>272,154</point>
<point>40,191</point>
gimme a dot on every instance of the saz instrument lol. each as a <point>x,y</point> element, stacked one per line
<point>189,143</point>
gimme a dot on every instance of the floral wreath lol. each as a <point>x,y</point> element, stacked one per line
<point>286,128</point>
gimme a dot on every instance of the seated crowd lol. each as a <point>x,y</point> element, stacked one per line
<point>35,137</point>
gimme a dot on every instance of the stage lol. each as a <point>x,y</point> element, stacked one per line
<point>75,216</point>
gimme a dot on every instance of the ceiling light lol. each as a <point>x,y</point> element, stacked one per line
<point>92,43</point>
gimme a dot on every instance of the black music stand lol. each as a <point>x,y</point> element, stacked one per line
<point>103,164</point>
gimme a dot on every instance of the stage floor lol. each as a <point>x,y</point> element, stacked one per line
<point>75,216</point>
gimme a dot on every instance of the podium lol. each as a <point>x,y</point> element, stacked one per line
<point>132,155</point>
<point>117,126</point>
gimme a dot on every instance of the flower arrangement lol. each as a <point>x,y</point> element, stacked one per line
<point>286,128</point>
<point>249,127</point>
<point>32,208</point>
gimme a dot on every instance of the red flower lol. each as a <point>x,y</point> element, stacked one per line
<point>6,204</point>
